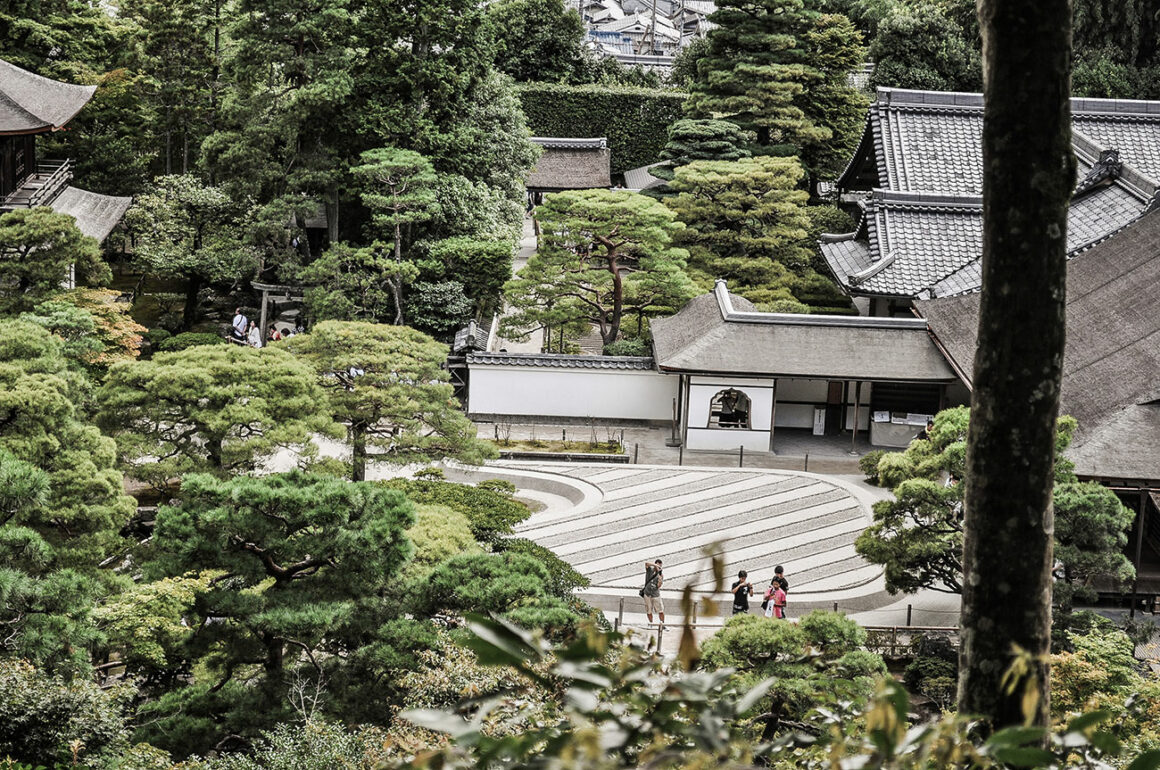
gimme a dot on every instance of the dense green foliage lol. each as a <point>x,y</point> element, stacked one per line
<point>217,408</point>
<point>633,119</point>
<point>386,384</point>
<point>491,514</point>
<point>917,537</point>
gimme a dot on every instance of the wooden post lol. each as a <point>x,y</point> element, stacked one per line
<point>741,456</point>
<point>909,614</point>
<point>636,454</point>
<point>620,614</point>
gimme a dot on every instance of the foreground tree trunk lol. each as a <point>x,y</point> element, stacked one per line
<point>1029,172</point>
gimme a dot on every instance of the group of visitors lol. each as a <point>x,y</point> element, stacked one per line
<point>245,332</point>
<point>773,602</point>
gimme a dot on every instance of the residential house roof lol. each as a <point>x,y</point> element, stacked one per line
<point>921,230</point>
<point>571,164</point>
<point>31,104</point>
<point>722,333</point>
<point>1111,374</point>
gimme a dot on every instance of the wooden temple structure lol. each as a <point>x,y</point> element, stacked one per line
<point>31,106</point>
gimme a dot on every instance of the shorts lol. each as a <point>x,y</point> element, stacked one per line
<point>653,604</point>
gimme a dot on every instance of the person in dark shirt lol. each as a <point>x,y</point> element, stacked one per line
<point>742,590</point>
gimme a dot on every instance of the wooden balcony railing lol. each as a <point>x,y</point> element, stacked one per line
<point>41,188</point>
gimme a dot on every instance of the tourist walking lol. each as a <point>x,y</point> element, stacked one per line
<point>742,590</point>
<point>653,578</point>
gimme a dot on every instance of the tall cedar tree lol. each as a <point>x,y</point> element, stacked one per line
<point>283,133</point>
<point>1028,176</point>
<point>778,68</point>
<point>387,385</point>
<point>179,45</point>
<point>541,40</point>
<point>602,253</point>
<point>217,408</point>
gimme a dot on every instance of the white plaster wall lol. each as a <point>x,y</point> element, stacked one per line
<point>701,393</point>
<point>601,393</point>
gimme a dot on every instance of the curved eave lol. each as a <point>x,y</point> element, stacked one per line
<point>784,375</point>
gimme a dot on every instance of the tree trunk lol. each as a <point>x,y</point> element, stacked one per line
<point>358,451</point>
<point>397,284</point>
<point>1029,172</point>
<point>189,311</point>
<point>612,331</point>
<point>213,449</point>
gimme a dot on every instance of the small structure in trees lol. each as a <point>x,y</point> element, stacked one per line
<point>31,105</point>
<point>570,164</point>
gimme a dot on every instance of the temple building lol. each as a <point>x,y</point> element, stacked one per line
<point>726,376</point>
<point>918,177</point>
<point>31,105</point>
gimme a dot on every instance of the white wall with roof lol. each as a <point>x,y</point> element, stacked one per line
<point>535,392</point>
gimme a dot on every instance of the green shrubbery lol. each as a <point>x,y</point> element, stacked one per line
<point>633,119</point>
<point>492,514</point>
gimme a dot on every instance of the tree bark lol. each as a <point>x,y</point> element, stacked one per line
<point>189,311</point>
<point>1029,172</point>
<point>358,452</point>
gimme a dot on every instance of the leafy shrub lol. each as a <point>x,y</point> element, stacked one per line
<point>894,468</point>
<point>505,488</point>
<point>633,119</point>
<point>923,669</point>
<point>634,347</point>
<point>317,745</point>
<point>868,464</point>
<point>562,578</point>
<point>438,534</point>
<point>492,515</point>
<point>43,718</point>
<point>188,340</point>
<point>832,633</point>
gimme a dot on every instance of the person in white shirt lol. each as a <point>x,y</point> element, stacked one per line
<point>239,326</point>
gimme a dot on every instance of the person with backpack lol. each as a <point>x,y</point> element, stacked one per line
<point>651,593</point>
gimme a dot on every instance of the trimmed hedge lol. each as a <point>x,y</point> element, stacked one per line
<point>635,120</point>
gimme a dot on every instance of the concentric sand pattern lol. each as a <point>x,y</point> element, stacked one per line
<point>761,519</point>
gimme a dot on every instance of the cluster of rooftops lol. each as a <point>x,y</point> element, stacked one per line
<point>918,174</point>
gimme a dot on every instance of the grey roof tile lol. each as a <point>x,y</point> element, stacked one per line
<point>722,333</point>
<point>560,361</point>
<point>1113,348</point>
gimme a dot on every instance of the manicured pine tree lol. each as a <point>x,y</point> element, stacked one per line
<point>602,253</point>
<point>387,385</point>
